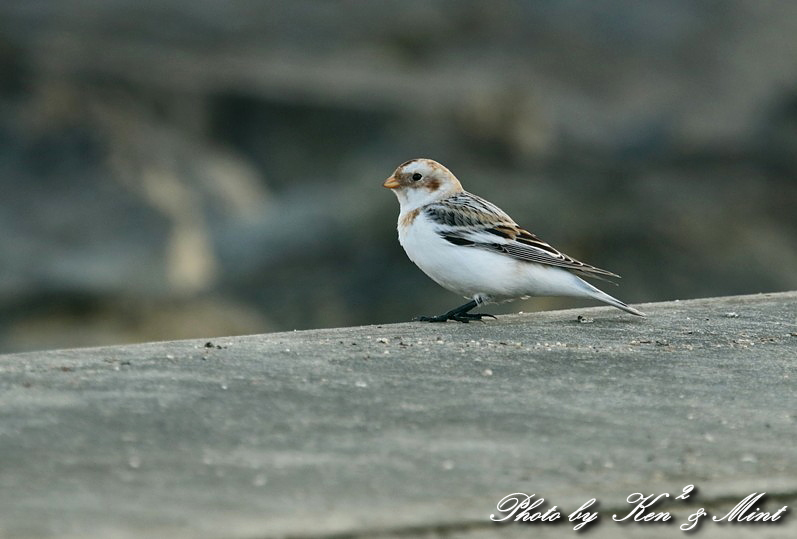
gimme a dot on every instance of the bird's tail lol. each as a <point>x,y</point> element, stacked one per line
<point>600,295</point>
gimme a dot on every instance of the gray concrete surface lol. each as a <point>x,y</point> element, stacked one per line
<point>409,429</point>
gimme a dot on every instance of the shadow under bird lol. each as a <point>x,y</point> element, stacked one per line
<point>473,248</point>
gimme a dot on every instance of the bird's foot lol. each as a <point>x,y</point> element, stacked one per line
<point>440,318</point>
<point>458,317</point>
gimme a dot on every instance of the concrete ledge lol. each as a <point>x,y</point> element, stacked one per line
<point>408,429</point>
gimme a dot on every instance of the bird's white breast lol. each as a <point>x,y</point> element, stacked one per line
<point>471,271</point>
<point>463,270</point>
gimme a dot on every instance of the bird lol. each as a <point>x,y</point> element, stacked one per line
<point>471,247</point>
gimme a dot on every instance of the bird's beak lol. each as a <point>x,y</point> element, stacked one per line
<point>391,183</point>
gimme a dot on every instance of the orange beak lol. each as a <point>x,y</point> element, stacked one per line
<point>391,183</point>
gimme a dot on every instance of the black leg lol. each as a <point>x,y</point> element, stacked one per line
<point>460,314</point>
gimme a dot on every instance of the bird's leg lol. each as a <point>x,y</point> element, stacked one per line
<point>460,314</point>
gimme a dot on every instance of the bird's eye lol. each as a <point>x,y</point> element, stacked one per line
<point>417,176</point>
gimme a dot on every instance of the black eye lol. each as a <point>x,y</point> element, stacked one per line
<point>417,176</point>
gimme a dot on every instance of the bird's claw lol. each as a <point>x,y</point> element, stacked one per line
<point>460,317</point>
<point>467,317</point>
<point>429,319</point>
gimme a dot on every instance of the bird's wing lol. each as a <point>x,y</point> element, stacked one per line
<point>467,220</point>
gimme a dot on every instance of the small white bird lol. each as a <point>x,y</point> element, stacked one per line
<point>471,247</point>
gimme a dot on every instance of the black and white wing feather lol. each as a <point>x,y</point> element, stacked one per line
<point>468,220</point>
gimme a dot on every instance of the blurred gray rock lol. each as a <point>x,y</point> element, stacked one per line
<point>161,154</point>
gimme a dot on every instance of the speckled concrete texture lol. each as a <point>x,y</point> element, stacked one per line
<point>408,429</point>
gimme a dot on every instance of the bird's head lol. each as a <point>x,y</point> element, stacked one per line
<point>421,181</point>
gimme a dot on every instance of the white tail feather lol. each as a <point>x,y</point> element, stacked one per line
<point>600,295</point>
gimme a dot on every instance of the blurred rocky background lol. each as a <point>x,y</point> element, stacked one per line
<point>197,168</point>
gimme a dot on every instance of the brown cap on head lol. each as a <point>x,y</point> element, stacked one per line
<point>425,174</point>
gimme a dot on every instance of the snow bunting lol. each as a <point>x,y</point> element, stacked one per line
<point>471,247</point>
